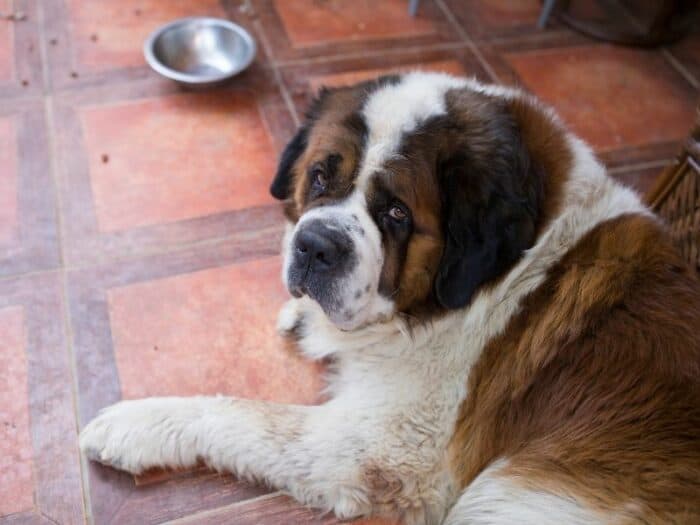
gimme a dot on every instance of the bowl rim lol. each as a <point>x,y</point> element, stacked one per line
<point>168,72</point>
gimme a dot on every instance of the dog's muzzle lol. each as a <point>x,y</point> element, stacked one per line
<point>322,255</point>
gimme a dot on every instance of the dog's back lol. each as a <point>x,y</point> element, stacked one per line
<point>592,391</point>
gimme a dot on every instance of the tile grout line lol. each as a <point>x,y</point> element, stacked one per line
<point>47,517</point>
<point>538,39</point>
<point>180,248</point>
<point>443,46</point>
<point>183,520</point>
<point>67,328</point>
<point>276,74</point>
<point>30,274</point>
<point>640,166</point>
<point>467,39</point>
<point>680,68</point>
<point>43,52</point>
<point>49,121</point>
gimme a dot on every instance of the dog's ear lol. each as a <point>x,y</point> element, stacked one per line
<point>491,201</point>
<point>281,184</point>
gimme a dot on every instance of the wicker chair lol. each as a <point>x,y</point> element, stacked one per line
<point>676,197</point>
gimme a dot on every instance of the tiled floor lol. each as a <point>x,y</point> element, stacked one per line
<point>138,245</point>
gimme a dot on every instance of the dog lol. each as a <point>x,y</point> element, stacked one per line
<point>512,336</point>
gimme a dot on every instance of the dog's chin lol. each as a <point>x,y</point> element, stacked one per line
<point>351,323</point>
<point>344,324</point>
<point>339,317</point>
<point>334,307</point>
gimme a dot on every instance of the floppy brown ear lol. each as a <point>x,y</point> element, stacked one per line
<point>492,195</point>
<point>281,184</point>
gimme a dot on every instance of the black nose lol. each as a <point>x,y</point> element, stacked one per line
<point>316,250</point>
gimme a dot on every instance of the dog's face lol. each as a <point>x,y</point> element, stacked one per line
<point>406,194</point>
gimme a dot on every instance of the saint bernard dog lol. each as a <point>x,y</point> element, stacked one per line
<point>511,336</point>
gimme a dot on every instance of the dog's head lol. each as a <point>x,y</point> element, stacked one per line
<point>406,194</point>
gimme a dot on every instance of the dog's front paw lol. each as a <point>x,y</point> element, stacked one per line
<point>290,318</point>
<point>137,435</point>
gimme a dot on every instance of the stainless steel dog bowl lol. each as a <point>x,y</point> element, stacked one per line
<point>199,51</point>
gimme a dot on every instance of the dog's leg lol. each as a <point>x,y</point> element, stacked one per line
<point>312,452</point>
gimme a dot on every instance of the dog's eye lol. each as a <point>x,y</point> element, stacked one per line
<point>318,180</point>
<point>397,213</point>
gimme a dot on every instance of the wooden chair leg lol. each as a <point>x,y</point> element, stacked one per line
<point>546,12</point>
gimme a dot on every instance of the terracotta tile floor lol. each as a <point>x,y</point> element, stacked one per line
<point>138,245</point>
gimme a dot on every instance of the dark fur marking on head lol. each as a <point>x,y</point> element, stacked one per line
<point>492,194</point>
<point>280,187</point>
<point>281,184</point>
<point>356,125</point>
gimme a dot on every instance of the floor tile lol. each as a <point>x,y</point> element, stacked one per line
<point>185,494</point>
<point>307,28</point>
<point>122,199</point>
<point>313,23</point>
<point>7,45</point>
<point>273,509</point>
<point>496,18</point>
<point>39,465</point>
<point>20,57</point>
<point>209,332</point>
<point>610,95</point>
<point>8,181</point>
<point>15,434</point>
<point>28,229</point>
<point>104,33</point>
<point>196,321</point>
<point>135,186</point>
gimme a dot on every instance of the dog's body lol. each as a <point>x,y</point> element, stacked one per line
<point>512,338</point>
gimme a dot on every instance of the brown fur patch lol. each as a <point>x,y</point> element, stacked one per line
<point>546,142</point>
<point>593,390</point>
<point>409,269</point>
<point>330,136</point>
<point>415,180</point>
<point>335,127</point>
<point>383,488</point>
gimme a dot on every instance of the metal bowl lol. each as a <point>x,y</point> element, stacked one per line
<point>199,51</point>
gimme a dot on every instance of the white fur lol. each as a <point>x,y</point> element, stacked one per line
<point>397,109</point>
<point>494,499</point>
<point>396,390</point>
